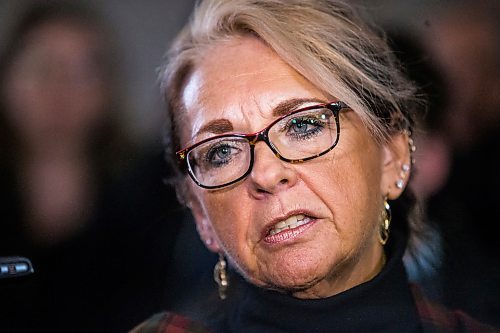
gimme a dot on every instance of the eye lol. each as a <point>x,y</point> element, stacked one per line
<point>302,125</point>
<point>220,154</point>
<point>305,126</point>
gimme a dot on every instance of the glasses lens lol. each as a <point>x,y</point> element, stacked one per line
<point>304,134</point>
<point>219,161</point>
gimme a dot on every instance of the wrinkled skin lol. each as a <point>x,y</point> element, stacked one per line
<point>242,81</point>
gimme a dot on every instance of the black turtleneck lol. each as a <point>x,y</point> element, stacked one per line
<point>383,304</point>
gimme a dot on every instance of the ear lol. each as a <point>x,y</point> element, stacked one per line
<point>203,225</point>
<point>396,165</point>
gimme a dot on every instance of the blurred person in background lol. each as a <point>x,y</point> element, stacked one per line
<point>75,197</point>
<point>463,44</point>
<point>59,133</point>
<point>456,62</point>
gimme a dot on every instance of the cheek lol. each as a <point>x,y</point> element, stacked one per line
<point>348,183</point>
<point>23,99</point>
<point>87,105</point>
<point>229,218</point>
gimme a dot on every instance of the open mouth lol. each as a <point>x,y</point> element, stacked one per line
<point>288,228</point>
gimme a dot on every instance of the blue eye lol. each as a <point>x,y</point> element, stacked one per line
<point>305,127</point>
<point>220,154</point>
<point>302,125</point>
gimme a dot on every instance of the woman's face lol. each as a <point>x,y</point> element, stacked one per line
<point>236,87</point>
<point>56,86</point>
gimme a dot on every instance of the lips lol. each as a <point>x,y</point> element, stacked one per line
<point>288,227</point>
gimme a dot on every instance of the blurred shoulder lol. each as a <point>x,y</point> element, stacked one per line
<point>167,322</point>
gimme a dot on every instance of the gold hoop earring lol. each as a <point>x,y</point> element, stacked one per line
<point>221,277</point>
<point>383,235</point>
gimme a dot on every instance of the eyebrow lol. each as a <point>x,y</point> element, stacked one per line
<point>221,126</point>
<point>217,126</point>
<point>290,105</point>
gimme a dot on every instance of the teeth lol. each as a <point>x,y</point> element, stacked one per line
<point>290,223</point>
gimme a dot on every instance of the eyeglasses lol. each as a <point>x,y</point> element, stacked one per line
<point>299,136</point>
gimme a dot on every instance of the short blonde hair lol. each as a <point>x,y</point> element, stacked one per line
<point>326,41</point>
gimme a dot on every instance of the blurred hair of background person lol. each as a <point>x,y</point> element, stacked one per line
<point>458,162</point>
<point>76,197</point>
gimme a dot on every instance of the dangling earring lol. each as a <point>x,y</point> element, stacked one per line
<point>385,224</point>
<point>220,276</point>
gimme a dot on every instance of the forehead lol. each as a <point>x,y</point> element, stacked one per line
<point>237,80</point>
<point>59,40</point>
<point>63,31</point>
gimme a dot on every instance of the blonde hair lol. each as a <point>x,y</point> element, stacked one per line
<point>326,41</point>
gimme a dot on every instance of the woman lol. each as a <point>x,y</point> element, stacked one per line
<point>292,127</point>
<point>59,132</point>
<point>58,118</point>
<point>71,197</point>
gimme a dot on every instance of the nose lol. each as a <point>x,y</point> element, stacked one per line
<point>269,174</point>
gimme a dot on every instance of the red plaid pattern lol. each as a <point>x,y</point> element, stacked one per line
<point>167,322</point>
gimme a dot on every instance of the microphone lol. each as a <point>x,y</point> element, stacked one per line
<point>11,267</point>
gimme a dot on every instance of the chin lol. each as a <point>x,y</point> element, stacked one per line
<point>297,277</point>
<point>294,287</point>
